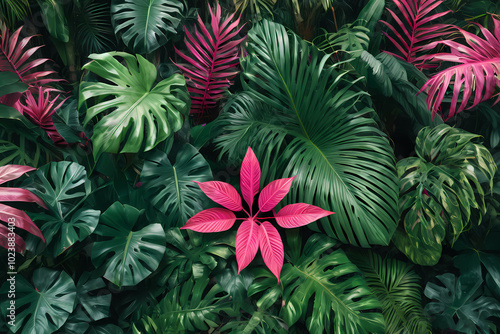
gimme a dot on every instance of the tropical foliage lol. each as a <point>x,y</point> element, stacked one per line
<point>149,149</point>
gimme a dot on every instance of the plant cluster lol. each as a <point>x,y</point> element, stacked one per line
<point>363,137</point>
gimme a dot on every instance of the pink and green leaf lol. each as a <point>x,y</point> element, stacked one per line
<point>211,220</point>
<point>299,214</point>
<point>222,193</point>
<point>247,243</point>
<point>12,172</point>
<point>273,193</point>
<point>250,177</point>
<point>271,248</point>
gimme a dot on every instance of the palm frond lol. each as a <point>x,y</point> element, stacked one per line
<point>94,33</point>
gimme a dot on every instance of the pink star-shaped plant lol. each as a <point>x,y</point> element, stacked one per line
<point>253,233</point>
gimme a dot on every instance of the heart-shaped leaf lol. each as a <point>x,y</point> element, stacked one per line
<point>44,306</point>
<point>250,177</point>
<point>223,194</point>
<point>211,220</point>
<point>128,256</point>
<point>299,214</point>
<point>271,248</point>
<point>247,243</point>
<point>273,193</point>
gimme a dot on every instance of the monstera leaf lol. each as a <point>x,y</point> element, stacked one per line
<point>171,187</point>
<point>191,256</point>
<point>440,189</point>
<point>459,304</point>
<point>139,115</point>
<point>190,307</point>
<point>325,136</point>
<point>397,287</point>
<point>128,256</point>
<point>145,25</point>
<point>63,186</point>
<point>44,306</point>
<point>341,298</point>
<point>97,305</point>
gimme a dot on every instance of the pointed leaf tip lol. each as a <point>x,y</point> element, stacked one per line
<point>222,193</point>
<point>247,243</point>
<point>250,177</point>
<point>300,214</point>
<point>271,248</point>
<point>273,193</point>
<point>211,220</point>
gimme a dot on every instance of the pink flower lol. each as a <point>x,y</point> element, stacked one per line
<point>253,232</point>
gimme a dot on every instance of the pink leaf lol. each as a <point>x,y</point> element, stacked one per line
<point>273,193</point>
<point>271,248</point>
<point>19,244</point>
<point>247,243</point>
<point>250,177</point>
<point>222,193</point>
<point>8,194</point>
<point>20,220</point>
<point>12,172</point>
<point>211,220</point>
<point>300,214</point>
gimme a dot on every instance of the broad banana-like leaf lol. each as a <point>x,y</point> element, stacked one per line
<point>325,136</point>
<point>145,25</point>
<point>138,116</point>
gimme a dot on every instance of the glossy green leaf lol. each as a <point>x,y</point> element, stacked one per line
<point>459,304</point>
<point>190,307</point>
<point>145,25</point>
<point>54,19</point>
<point>44,306</point>
<point>139,114</point>
<point>128,256</point>
<point>303,118</point>
<point>11,83</point>
<point>88,295</point>
<point>340,298</point>
<point>170,186</point>
<point>398,288</point>
<point>440,188</point>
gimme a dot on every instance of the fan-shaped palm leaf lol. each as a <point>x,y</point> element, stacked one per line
<point>477,74</point>
<point>214,60</point>
<point>145,25</point>
<point>325,136</point>
<point>414,29</point>
<point>398,289</point>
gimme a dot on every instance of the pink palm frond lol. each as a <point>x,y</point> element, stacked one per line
<point>213,60</point>
<point>476,74</point>
<point>39,111</point>
<point>414,28</point>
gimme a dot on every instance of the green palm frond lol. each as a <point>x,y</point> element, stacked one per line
<point>398,288</point>
<point>303,118</point>
<point>13,10</point>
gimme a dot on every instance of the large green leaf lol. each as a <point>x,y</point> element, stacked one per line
<point>128,256</point>
<point>44,306</point>
<point>89,296</point>
<point>138,115</point>
<point>334,287</point>
<point>193,256</point>
<point>170,187</point>
<point>192,307</point>
<point>325,136</point>
<point>145,25</point>
<point>54,19</point>
<point>398,288</point>
<point>440,189</point>
<point>460,304</point>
